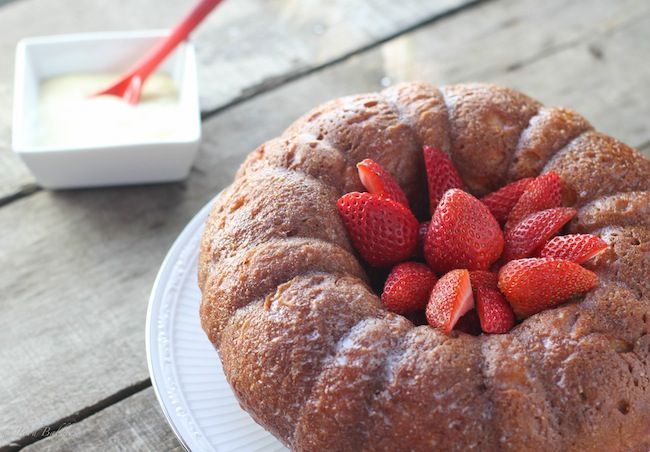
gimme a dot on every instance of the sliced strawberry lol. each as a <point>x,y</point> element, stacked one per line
<point>543,192</point>
<point>441,175</point>
<point>530,235</point>
<point>380,182</point>
<point>483,278</point>
<point>408,287</point>
<point>463,234</point>
<point>494,311</point>
<point>422,233</point>
<point>383,231</point>
<point>532,285</point>
<point>450,299</point>
<point>469,323</point>
<point>504,199</point>
<point>574,247</point>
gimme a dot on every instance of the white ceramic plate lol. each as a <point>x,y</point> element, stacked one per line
<point>185,370</point>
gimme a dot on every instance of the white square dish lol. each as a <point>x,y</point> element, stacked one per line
<point>38,59</point>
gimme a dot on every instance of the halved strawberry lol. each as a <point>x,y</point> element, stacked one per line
<point>543,192</point>
<point>450,299</point>
<point>483,278</point>
<point>470,323</point>
<point>494,311</point>
<point>532,285</point>
<point>463,234</point>
<point>502,201</point>
<point>380,182</point>
<point>383,231</point>
<point>408,287</point>
<point>574,247</point>
<point>530,235</point>
<point>441,175</point>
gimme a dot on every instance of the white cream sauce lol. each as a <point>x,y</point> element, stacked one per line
<point>69,115</point>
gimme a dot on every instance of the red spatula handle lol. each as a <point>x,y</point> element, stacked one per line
<point>151,60</point>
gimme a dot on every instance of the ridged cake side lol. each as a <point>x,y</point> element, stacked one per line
<point>313,356</point>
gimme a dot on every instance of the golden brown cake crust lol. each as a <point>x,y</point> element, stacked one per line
<point>312,355</point>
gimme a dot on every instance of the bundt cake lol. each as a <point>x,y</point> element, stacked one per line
<point>315,358</point>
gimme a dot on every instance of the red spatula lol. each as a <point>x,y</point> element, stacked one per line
<point>129,87</point>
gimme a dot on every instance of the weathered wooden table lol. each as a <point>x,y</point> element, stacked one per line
<point>76,267</point>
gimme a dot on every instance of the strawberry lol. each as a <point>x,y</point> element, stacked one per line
<point>494,311</point>
<point>532,285</point>
<point>483,278</point>
<point>574,247</point>
<point>383,231</point>
<point>469,323</point>
<point>380,182</point>
<point>441,175</point>
<point>450,299</point>
<point>543,192</point>
<point>463,234</point>
<point>530,235</point>
<point>502,201</point>
<point>408,287</point>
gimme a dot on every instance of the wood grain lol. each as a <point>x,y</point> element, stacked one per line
<point>82,263</point>
<point>245,47</point>
<point>133,424</point>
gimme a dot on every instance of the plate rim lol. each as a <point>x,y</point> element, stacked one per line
<point>155,297</point>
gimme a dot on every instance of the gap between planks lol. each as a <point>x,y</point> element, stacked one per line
<point>46,431</point>
<point>275,82</point>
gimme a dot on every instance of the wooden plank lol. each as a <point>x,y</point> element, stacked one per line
<point>83,262</point>
<point>135,423</point>
<point>245,47</point>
